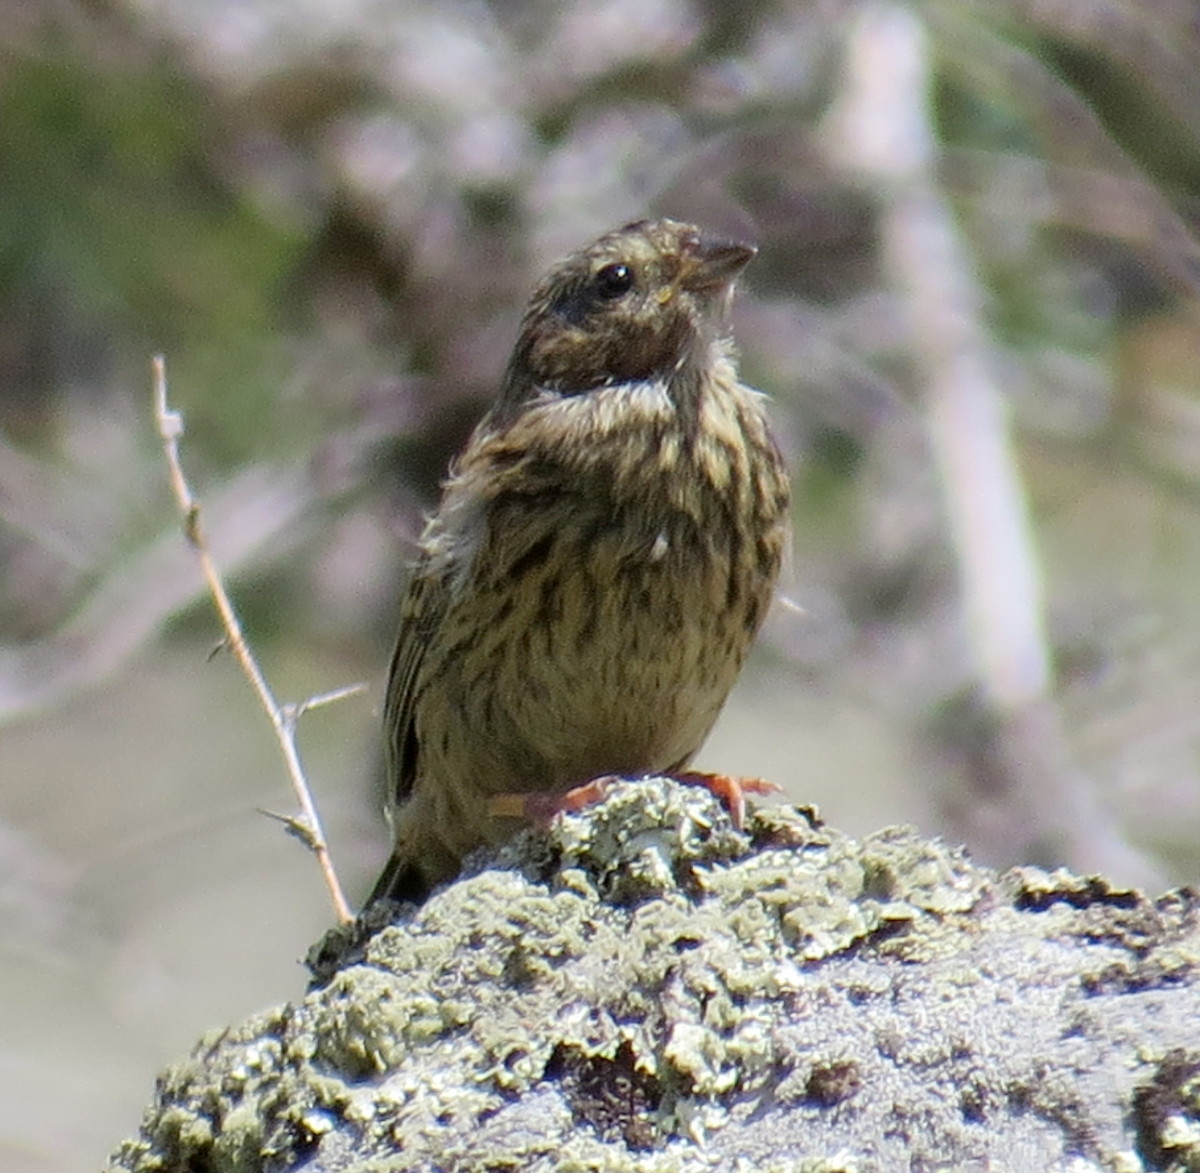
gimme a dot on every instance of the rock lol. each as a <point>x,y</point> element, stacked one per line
<point>643,987</point>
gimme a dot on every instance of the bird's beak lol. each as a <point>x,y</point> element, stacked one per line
<point>711,266</point>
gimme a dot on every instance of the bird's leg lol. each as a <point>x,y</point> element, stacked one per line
<point>540,806</point>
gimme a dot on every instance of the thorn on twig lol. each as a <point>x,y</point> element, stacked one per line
<point>294,825</point>
<point>292,711</point>
<point>328,698</point>
<point>191,525</point>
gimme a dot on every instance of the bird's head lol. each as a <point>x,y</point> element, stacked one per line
<point>636,305</point>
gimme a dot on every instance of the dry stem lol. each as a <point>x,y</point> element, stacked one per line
<point>307,825</point>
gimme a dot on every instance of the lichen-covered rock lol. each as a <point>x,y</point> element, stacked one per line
<point>645,987</point>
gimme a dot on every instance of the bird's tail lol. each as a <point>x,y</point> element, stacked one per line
<point>401,880</point>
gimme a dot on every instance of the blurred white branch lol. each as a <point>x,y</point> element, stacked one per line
<point>883,130</point>
<point>887,126</point>
<point>45,504</point>
<point>1087,179</point>
<point>151,586</point>
<point>1157,41</point>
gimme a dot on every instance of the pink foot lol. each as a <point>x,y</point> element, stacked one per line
<point>729,790</point>
<point>540,807</point>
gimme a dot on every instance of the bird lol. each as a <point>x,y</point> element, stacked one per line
<point>604,552</point>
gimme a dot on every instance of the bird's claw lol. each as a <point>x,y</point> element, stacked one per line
<point>729,790</point>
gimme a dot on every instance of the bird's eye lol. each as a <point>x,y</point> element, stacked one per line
<point>614,281</point>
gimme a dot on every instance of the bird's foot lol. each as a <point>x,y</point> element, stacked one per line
<point>540,806</point>
<point>729,790</point>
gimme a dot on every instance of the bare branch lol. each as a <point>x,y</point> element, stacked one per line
<point>307,825</point>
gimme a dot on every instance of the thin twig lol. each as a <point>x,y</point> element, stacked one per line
<point>307,826</point>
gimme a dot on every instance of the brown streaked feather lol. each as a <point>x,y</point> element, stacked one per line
<point>421,614</point>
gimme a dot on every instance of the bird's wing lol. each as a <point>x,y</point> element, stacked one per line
<point>420,615</point>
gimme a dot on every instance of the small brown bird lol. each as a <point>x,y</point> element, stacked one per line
<point>604,552</point>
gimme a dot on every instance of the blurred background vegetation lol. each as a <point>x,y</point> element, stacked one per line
<point>327,215</point>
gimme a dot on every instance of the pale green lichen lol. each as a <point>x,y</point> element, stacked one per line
<point>645,988</point>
